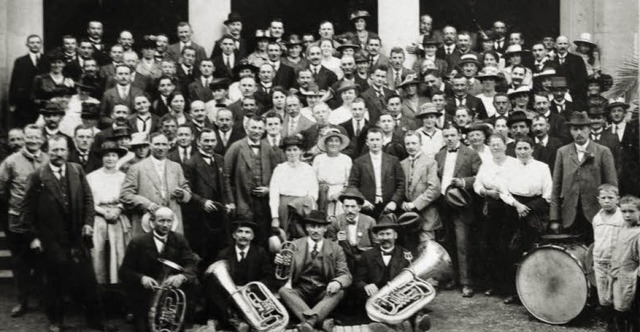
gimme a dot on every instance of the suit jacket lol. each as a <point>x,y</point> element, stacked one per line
<point>173,52</point>
<point>374,104</point>
<point>547,153</point>
<point>58,224</point>
<point>422,188</point>
<point>466,167</point>
<point>197,91</point>
<point>45,88</point>
<point>395,147</point>
<point>630,159</point>
<point>112,98</point>
<point>107,71</point>
<point>475,105</point>
<point>142,186</point>
<point>325,78</point>
<point>207,181</point>
<point>362,177</point>
<point>357,143</point>
<point>240,177</point>
<point>364,235</point>
<point>285,76</point>
<point>159,108</point>
<point>184,79</point>
<point>221,69</point>
<point>382,60</point>
<point>575,181</point>
<point>196,129</point>
<point>258,260</point>
<point>88,166</point>
<point>610,140</point>
<point>370,268</point>
<point>303,123</point>
<point>237,133</point>
<point>142,82</point>
<point>241,50</point>
<point>155,123</point>
<point>391,84</point>
<point>456,55</point>
<point>558,127</point>
<point>174,154</point>
<point>22,76</point>
<point>569,108</point>
<point>333,259</point>
<point>575,71</point>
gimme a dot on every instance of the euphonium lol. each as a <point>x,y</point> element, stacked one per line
<point>283,271</point>
<point>169,304</point>
<point>408,292</point>
<point>261,310</point>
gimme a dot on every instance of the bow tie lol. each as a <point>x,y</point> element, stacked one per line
<point>254,146</point>
<point>351,221</point>
<point>386,253</point>
<point>453,150</point>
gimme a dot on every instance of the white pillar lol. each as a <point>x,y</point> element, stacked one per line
<point>398,24</point>
<point>206,17</point>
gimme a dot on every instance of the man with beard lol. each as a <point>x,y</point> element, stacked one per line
<point>141,269</point>
<point>284,75</point>
<point>58,208</point>
<point>573,68</point>
<point>13,181</point>
<point>226,131</point>
<point>449,38</point>
<point>557,125</point>
<point>184,148</point>
<point>546,145</point>
<point>125,38</point>
<point>319,276</point>
<point>25,69</point>
<point>321,74</point>
<point>247,262</point>
<point>463,98</point>
<point>580,168</point>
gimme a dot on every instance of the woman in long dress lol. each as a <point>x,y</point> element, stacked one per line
<point>332,169</point>
<point>111,228</point>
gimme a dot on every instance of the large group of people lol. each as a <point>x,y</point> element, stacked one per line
<point>120,155</point>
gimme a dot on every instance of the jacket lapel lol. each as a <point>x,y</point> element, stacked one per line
<point>150,171</point>
<point>51,182</point>
<point>74,185</point>
<point>417,173</point>
<point>459,160</point>
<point>573,155</point>
<point>369,165</point>
<point>205,170</point>
<point>247,154</point>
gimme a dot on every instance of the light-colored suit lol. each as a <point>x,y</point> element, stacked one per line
<point>303,123</point>
<point>142,186</point>
<point>422,188</point>
<point>575,181</point>
<point>364,235</point>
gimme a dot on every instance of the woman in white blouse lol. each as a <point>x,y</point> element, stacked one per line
<point>348,92</point>
<point>290,181</point>
<point>328,60</point>
<point>110,224</point>
<point>332,169</point>
<point>477,133</point>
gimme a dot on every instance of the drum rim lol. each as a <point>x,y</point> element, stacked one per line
<point>584,274</point>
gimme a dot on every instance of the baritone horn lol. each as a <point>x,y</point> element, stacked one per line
<point>261,310</point>
<point>283,270</point>
<point>408,292</point>
<point>169,304</point>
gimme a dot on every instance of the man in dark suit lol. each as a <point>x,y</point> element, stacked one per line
<point>58,206</point>
<point>573,68</point>
<point>140,81</point>
<point>199,89</point>
<point>580,168</point>
<point>626,133</point>
<point>463,98</point>
<point>199,119</point>
<point>187,69</point>
<point>357,127</point>
<point>119,117</point>
<point>226,131</point>
<point>460,175</point>
<point>546,146</point>
<point>376,96</point>
<point>604,137</point>
<point>376,59</point>
<point>174,51</point>
<point>116,52</point>
<point>123,93</point>
<point>184,148</point>
<point>500,32</point>
<point>378,176</point>
<point>71,57</point>
<point>557,125</point>
<point>25,69</point>
<point>379,266</point>
<point>323,77</point>
<point>227,59</point>
<point>143,266</point>
<point>284,75</point>
<point>396,72</point>
<point>560,104</point>
<point>449,37</point>
<point>95,32</point>
<point>463,47</point>
<point>234,28</point>
<point>319,276</point>
<point>83,139</point>
<point>246,262</point>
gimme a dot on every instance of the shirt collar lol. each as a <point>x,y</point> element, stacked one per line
<point>246,250</point>
<point>30,155</point>
<point>158,162</point>
<point>311,243</point>
<point>161,238</point>
<point>582,147</point>
<point>387,251</point>
<point>55,169</point>
<point>51,132</point>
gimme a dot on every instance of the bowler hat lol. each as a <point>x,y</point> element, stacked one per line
<point>145,222</point>
<point>428,109</point>
<point>233,17</point>
<point>219,83</point>
<point>352,193</point>
<point>595,110</point>
<point>90,110</point>
<point>344,140</point>
<point>617,102</point>
<point>244,64</point>
<point>52,108</point>
<point>359,58</point>
<point>457,197</point>
<point>579,119</point>
<point>243,223</point>
<point>559,82</point>
<point>359,14</point>
<point>317,217</point>
<point>121,132</point>
<point>110,146</point>
<point>518,116</point>
<point>430,40</point>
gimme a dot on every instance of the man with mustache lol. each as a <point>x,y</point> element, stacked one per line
<point>248,262</point>
<point>580,168</point>
<point>546,145</point>
<point>319,276</point>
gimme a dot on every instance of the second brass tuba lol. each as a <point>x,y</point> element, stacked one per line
<point>262,311</point>
<point>283,271</point>
<point>408,292</point>
<point>169,304</point>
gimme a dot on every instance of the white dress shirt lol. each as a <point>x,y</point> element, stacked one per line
<point>160,241</point>
<point>311,244</point>
<point>618,129</point>
<point>159,166</point>
<point>581,150</point>
<point>352,231</point>
<point>376,161</point>
<point>447,172</point>
<point>239,253</point>
<point>386,258</point>
<point>529,180</point>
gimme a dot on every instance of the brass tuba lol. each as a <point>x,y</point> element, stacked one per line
<point>261,310</point>
<point>283,271</point>
<point>408,292</point>
<point>169,304</point>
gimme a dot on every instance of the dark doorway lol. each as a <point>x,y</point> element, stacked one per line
<point>141,17</point>
<point>302,16</point>
<point>534,18</point>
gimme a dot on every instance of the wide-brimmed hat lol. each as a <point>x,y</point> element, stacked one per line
<point>317,217</point>
<point>559,82</point>
<point>514,50</point>
<point>232,17</point>
<point>90,111</point>
<point>121,132</point>
<point>428,109</point>
<point>243,223</point>
<point>359,14</point>
<point>410,79</point>
<point>346,85</point>
<point>138,139</point>
<point>518,116</point>
<point>291,141</point>
<point>478,126</point>
<point>430,40</point>
<point>348,44</point>
<point>489,72</point>
<point>386,223</point>
<point>585,38</point>
<point>410,220</point>
<point>219,83</point>
<point>262,34</point>
<point>110,146</point>
<point>579,119</point>
<point>360,58</point>
<point>597,101</point>
<point>344,140</point>
<point>52,108</point>
<point>244,64</point>
<point>546,72</point>
<point>145,222</point>
<point>617,102</point>
<point>312,90</point>
<point>468,58</point>
<point>595,110</point>
<point>457,197</point>
<point>294,40</point>
<point>352,193</point>
<point>523,89</point>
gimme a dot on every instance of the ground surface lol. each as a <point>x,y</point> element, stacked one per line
<point>450,312</point>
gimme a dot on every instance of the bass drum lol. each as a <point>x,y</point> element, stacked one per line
<point>552,282</point>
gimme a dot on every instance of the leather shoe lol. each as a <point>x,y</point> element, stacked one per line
<point>422,323</point>
<point>305,327</point>
<point>511,300</point>
<point>327,325</point>
<point>467,291</point>
<point>489,292</point>
<point>54,328</point>
<point>19,310</point>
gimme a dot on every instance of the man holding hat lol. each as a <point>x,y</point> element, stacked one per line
<point>580,168</point>
<point>248,262</point>
<point>233,24</point>
<point>141,270</point>
<point>319,276</point>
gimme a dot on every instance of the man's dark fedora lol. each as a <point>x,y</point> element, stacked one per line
<point>457,197</point>
<point>317,217</point>
<point>52,108</point>
<point>110,146</point>
<point>233,17</point>
<point>352,193</point>
<point>518,116</point>
<point>409,220</point>
<point>90,111</point>
<point>386,223</point>
<point>243,223</point>
<point>579,119</point>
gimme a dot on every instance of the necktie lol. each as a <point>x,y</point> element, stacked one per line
<point>225,139</point>
<point>162,240</point>
<point>397,82</point>
<point>358,128</point>
<point>386,253</point>
<point>254,146</point>
<point>207,159</point>
<point>144,124</point>
<point>226,62</point>
<point>58,174</point>
<point>371,61</point>
<point>314,252</point>
<point>561,60</point>
<point>351,221</point>
<point>242,256</point>
<point>184,155</point>
<point>453,150</point>
<point>83,158</point>
<point>292,127</point>
<point>460,101</point>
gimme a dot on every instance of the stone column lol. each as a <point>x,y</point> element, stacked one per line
<point>206,17</point>
<point>398,24</point>
<point>18,19</point>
